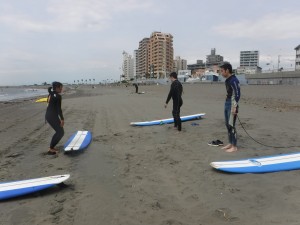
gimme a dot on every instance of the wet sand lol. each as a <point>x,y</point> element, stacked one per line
<point>152,175</point>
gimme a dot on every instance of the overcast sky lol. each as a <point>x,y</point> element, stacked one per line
<point>67,40</point>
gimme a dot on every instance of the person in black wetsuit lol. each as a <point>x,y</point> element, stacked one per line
<point>54,115</point>
<point>231,105</point>
<point>175,93</point>
<point>136,88</point>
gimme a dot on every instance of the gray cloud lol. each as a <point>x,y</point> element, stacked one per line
<point>72,15</point>
<point>268,27</point>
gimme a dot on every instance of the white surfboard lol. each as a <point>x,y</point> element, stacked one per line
<point>18,188</point>
<point>168,121</point>
<point>78,141</point>
<point>264,164</point>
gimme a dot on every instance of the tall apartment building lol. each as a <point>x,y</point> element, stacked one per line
<point>179,64</point>
<point>213,59</point>
<point>160,54</point>
<point>127,66</point>
<point>249,58</point>
<point>142,58</point>
<point>297,62</point>
<point>135,53</point>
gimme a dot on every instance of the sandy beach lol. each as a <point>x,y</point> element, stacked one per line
<point>152,175</point>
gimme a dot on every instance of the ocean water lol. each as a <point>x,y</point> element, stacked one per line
<point>15,93</point>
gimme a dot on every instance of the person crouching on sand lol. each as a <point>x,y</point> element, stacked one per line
<point>231,105</point>
<point>175,93</point>
<point>54,115</point>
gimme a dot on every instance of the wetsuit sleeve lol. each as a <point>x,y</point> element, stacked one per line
<point>170,93</point>
<point>236,93</point>
<point>59,109</point>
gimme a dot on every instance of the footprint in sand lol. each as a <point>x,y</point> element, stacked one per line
<point>289,189</point>
<point>171,222</point>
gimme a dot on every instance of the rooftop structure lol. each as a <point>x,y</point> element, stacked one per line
<point>297,61</point>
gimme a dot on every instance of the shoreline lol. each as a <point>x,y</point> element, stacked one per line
<point>69,91</point>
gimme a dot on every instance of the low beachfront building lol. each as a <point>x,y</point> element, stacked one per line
<point>248,70</point>
<point>280,78</point>
<point>183,75</point>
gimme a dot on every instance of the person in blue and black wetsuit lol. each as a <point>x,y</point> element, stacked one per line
<point>231,105</point>
<point>54,115</point>
<point>175,93</point>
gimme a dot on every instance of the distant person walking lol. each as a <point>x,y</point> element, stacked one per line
<point>136,88</point>
<point>54,115</point>
<point>175,93</point>
<point>231,105</point>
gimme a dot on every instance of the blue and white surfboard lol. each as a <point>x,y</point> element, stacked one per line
<point>78,141</point>
<point>265,164</point>
<point>17,188</point>
<point>167,121</point>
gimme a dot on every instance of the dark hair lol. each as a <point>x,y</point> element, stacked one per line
<point>173,74</point>
<point>226,66</point>
<point>56,84</point>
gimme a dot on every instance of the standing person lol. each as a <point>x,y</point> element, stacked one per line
<point>136,88</point>
<point>231,105</point>
<point>54,115</point>
<point>175,93</point>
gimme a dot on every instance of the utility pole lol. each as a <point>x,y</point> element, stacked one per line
<point>278,63</point>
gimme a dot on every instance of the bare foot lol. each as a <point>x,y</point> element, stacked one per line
<point>227,146</point>
<point>52,151</point>
<point>233,149</point>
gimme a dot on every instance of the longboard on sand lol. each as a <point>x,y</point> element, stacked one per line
<point>265,164</point>
<point>167,121</point>
<point>42,100</point>
<point>78,141</point>
<point>17,188</point>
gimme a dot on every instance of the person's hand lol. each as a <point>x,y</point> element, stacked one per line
<point>166,105</point>
<point>62,123</point>
<point>234,111</point>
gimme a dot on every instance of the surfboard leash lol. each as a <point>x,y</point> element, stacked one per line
<point>258,142</point>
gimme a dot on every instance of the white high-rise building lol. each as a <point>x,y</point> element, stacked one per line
<point>127,66</point>
<point>179,64</point>
<point>249,58</point>
<point>135,58</point>
<point>142,58</point>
